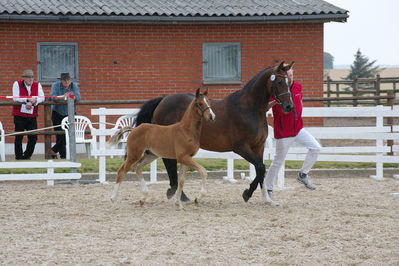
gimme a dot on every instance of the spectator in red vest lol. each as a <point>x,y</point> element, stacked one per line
<point>288,129</point>
<point>25,115</point>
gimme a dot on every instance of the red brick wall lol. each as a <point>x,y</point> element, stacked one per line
<point>137,61</point>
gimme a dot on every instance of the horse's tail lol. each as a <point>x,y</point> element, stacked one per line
<point>147,110</point>
<point>118,135</point>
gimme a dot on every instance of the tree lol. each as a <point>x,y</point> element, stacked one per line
<point>328,61</point>
<point>362,68</point>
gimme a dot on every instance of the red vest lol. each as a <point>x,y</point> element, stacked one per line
<point>289,125</point>
<point>34,91</point>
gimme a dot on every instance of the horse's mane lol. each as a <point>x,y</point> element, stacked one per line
<point>251,82</point>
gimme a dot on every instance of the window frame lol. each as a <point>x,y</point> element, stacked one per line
<point>228,80</point>
<point>75,75</point>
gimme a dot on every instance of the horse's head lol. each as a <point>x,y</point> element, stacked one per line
<point>279,83</point>
<point>203,105</point>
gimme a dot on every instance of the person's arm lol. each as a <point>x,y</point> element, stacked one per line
<point>271,104</point>
<point>15,93</point>
<point>53,91</point>
<point>36,101</point>
<point>56,91</point>
<point>76,91</point>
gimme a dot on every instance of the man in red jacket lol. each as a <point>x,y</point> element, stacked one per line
<point>25,115</point>
<point>288,129</point>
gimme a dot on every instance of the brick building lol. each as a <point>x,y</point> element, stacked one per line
<point>138,50</point>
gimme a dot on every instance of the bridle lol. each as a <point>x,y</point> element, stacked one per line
<point>273,79</point>
<point>202,110</point>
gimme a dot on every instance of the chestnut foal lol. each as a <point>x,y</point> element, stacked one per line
<point>179,141</point>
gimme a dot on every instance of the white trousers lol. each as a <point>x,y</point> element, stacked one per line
<point>305,139</point>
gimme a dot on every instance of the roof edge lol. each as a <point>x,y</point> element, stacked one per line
<point>177,19</point>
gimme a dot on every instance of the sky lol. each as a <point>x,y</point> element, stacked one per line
<point>372,27</point>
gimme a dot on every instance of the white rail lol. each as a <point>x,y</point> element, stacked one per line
<point>50,175</point>
<point>372,153</point>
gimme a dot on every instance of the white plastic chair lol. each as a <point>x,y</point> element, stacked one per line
<point>121,122</point>
<point>2,143</point>
<point>81,123</point>
<point>124,121</point>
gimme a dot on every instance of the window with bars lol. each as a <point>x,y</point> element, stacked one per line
<point>55,58</point>
<point>221,62</point>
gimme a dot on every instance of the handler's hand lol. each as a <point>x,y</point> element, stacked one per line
<point>28,105</point>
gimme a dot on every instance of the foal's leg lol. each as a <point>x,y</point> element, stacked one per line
<point>201,170</point>
<point>171,168</point>
<point>121,174</point>
<point>134,153</point>
<point>146,159</point>
<point>180,185</point>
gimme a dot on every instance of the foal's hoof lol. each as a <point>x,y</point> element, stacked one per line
<point>246,195</point>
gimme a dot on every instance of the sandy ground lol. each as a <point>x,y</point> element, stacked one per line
<point>346,221</point>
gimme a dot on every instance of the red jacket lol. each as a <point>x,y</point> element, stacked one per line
<point>34,91</point>
<point>289,124</point>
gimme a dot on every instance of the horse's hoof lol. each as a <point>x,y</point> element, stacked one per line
<point>184,197</point>
<point>170,192</point>
<point>246,195</point>
<point>141,202</point>
<point>196,201</point>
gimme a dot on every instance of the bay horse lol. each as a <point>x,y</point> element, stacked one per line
<point>241,125</point>
<point>179,141</point>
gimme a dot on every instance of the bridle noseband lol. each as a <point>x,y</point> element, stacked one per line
<point>202,110</point>
<point>273,79</point>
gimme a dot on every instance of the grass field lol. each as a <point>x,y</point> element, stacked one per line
<point>91,165</point>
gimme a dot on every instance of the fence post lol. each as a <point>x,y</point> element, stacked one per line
<point>378,88</point>
<point>328,89</point>
<point>354,91</point>
<point>47,138</point>
<point>71,132</point>
<point>390,102</point>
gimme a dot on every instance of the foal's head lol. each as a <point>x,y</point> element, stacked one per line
<point>203,106</point>
<point>279,84</point>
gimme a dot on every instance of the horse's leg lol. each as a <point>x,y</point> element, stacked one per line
<point>121,174</point>
<point>146,159</point>
<point>257,161</point>
<point>201,170</point>
<point>180,185</point>
<point>171,168</point>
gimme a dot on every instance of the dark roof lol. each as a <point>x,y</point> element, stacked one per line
<point>183,10</point>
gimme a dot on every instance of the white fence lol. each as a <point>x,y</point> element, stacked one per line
<point>378,133</point>
<point>373,153</point>
<point>376,153</point>
<point>50,175</point>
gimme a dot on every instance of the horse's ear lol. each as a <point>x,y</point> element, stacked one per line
<point>197,93</point>
<point>281,66</point>
<point>286,68</point>
<point>205,92</point>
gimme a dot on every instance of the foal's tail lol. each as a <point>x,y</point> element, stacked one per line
<point>118,135</point>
